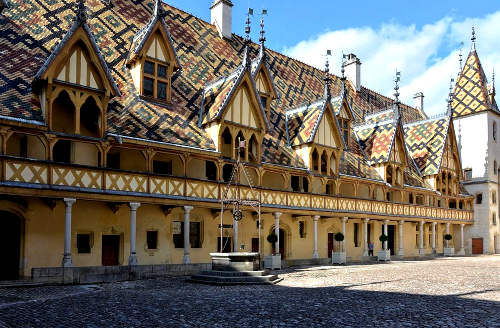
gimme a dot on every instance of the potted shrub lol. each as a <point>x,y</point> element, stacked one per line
<point>272,261</point>
<point>339,257</point>
<point>448,251</point>
<point>384,254</point>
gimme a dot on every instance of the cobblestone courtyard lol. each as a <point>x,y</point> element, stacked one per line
<point>447,292</point>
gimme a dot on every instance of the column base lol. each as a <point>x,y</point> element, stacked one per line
<point>401,252</point>
<point>448,251</point>
<point>365,252</point>
<point>186,259</point>
<point>315,255</point>
<point>339,258</point>
<point>132,260</point>
<point>421,252</point>
<point>67,261</point>
<point>434,251</point>
<point>384,255</point>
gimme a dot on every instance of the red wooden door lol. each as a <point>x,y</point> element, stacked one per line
<point>110,250</point>
<point>330,244</point>
<point>477,245</point>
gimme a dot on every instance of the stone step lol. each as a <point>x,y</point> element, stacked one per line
<point>235,280</point>
<point>235,273</point>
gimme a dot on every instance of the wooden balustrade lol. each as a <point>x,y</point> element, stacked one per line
<point>28,173</point>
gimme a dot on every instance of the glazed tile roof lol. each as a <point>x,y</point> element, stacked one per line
<point>384,115</point>
<point>356,165</point>
<point>425,141</point>
<point>303,122</point>
<point>376,140</point>
<point>471,90</point>
<point>30,31</point>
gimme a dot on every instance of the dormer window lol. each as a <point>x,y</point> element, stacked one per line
<point>344,126</point>
<point>156,80</point>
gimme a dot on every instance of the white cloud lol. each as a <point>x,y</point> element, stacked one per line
<point>426,56</point>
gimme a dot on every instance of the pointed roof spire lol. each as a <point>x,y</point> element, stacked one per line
<point>158,10</point>
<point>327,77</point>
<point>450,96</point>
<point>473,38</point>
<point>262,39</point>
<point>396,86</point>
<point>247,41</point>
<point>81,12</point>
<point>493,91</point>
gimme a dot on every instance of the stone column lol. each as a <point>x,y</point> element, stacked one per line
<point>434,237</point>
<point>67,262</point>
<point>401,241</point>
<point>385,233</point>
<point>315,251</point>
<point>132,260</point>
<point>365,237</point>
<point>235,237</point>
<point>277,231</point>
<point>421,250</point>
<point>462,249</point>
<point>344,220</point>
<point>186,259</point>
<point>447,232</point>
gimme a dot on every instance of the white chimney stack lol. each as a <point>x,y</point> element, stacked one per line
<point>418,101</point>
<point>352,68</point>
<point>221,12</point>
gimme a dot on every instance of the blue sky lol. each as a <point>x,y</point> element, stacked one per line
<point>420,37</point>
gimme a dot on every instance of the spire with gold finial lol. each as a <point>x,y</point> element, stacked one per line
<point>262,39</point>
<point>327,78</point>
<point>246,56</point>
<point>473,38</point>
<point>81,12</point>
<point>450,96</point>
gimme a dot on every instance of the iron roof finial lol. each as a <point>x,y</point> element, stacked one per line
<point>342,66</point>
<point>327,78</point>
<point>493,91</point>
<point>81,12</point>
<point>473,38</point>
<point>262,33</point>
<point>450,95</point>
<point>460,57</point>
<point>396,86</point>
<point>246,56</point>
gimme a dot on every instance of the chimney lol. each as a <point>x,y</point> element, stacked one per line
<point>221,12</point>
<point>352,68</point>
<point>418,101</point>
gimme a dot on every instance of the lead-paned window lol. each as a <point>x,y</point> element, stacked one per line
<point>156,81</point>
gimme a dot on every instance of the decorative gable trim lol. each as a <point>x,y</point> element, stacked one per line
<point>79,31</point>
<point>260,65</point>
<point>143,37</point>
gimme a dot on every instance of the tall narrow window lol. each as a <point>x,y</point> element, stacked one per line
<point>479,198</point>
<point>152,239</point>
<point>356,234</point>
<point>494,131</point>
<point>495,167</point>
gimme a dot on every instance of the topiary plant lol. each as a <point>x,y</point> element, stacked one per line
<point>339,237</point>
<point>272,239</point>
<point>448,237</point>
<point>383,238</point>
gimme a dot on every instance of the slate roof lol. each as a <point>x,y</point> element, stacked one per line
<point>471,94</point>
<point>425,141</point>
<point>31,30</point>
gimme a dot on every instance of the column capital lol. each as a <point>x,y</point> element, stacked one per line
<point>69,201</point>
<point>434,223</point>
<point>316,218</point>
<point>188,209</point>
<point>277,215</point>
<point>386,221</point>
<point>366,220</point>
<point>344,219</point>
<point>422,223</point>
<point>401,222</point>
<point>462,225</point>
<point>134,206</point>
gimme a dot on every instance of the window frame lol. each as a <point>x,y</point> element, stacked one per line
<point>156,241</point>
<point>156,78</point>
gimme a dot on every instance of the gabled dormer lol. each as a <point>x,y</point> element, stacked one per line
<point>231,112</point>
<point>450,171</point>
<point>343,112</point>
<point>75,83</point>
<point>152,58</point>
<point>314,133</point>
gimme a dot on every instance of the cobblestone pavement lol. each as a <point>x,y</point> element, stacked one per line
<point>447,292</point>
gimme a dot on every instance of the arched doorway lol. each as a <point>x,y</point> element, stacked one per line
<point>10,242</point>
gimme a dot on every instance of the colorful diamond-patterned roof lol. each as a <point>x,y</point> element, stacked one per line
<point>471,90</point>
<point>376,140</point>
<point>30,31</point>
<point>384,115</point>
<point>355,165</point>
<point>303,122</point>
<point>425,141</point>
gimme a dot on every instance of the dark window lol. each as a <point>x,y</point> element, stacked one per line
<point>211,171</point>
<point>113,161</point>
<point>452,204</point>
<point>410,198</point>
<point>494,219</point>
<point>149,68</point>
<point>305,183</point>
<point>479,198</point>
<point>152,239</point>
<point>148,87</point>
<point>226,244</point>
<point>161,167</point>
<point>162,90</point>
<point>62,151</point>
<point>23,152</point>
<point>295,182</point>
<point>195,234</point>
<point>439,202</point>
<point>302,229</point>
<point>227,172</point>
<point>162,71</point>
<point>263,101</point>
<point>356,234</point>
<point>178,234</point>
<point>328,189</point>
<point>83,243</point>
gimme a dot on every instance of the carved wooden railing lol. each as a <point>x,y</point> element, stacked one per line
<point>28,173</point>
